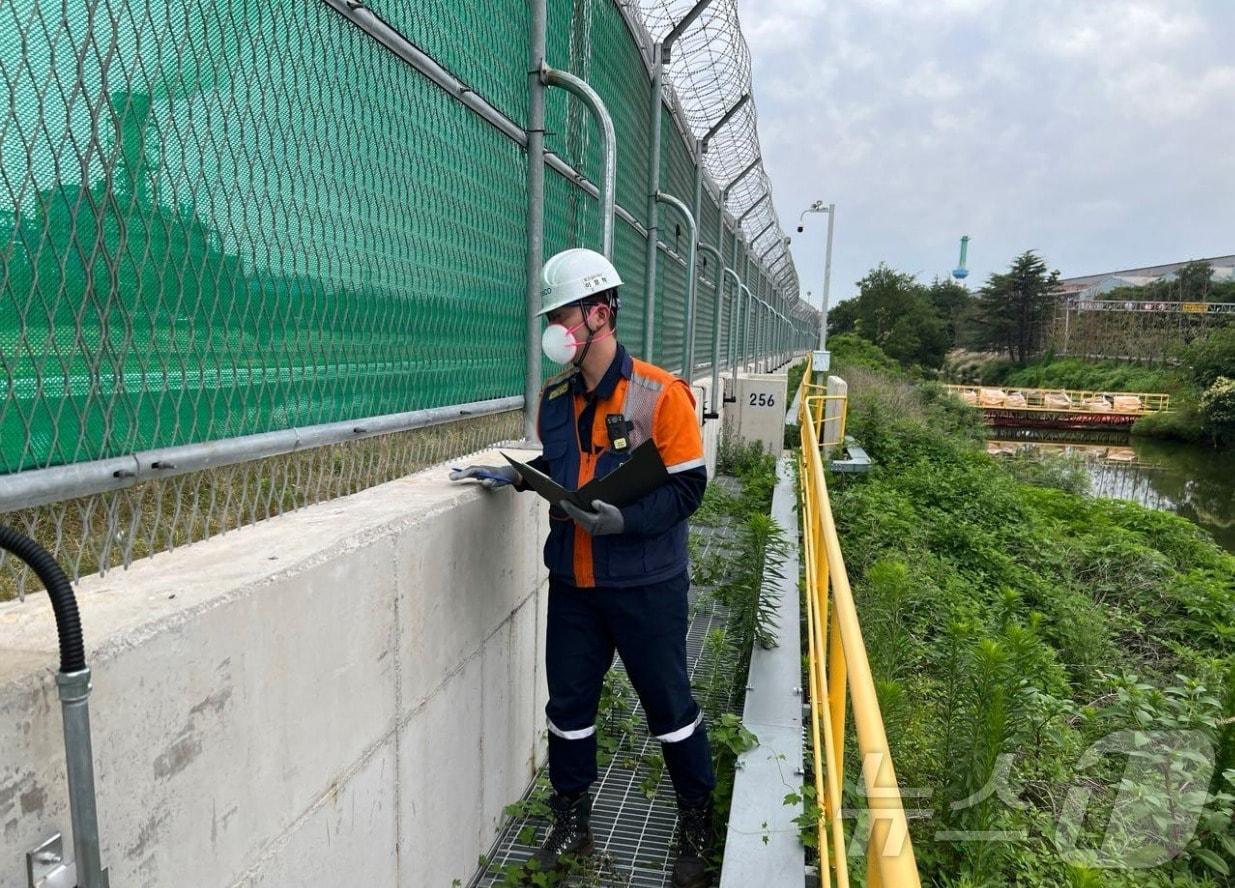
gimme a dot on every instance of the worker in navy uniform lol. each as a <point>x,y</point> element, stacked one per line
<point>618,577</point>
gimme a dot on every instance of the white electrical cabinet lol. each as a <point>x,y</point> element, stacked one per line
<point>758,413</point>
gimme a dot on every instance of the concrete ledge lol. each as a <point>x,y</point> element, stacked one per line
<point>762,846</point>
<point>285,704</point>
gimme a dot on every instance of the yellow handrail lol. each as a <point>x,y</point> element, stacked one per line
<point>814,401</point>
<point>835,635</point>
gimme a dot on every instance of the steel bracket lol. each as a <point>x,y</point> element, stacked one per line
<point>45,866</point>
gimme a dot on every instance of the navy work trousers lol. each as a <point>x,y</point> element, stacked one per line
<point>646,625</point>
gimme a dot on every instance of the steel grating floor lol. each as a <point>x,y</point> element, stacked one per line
<point>635,834</point>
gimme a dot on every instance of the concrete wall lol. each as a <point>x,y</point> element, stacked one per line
<point>347,695</point>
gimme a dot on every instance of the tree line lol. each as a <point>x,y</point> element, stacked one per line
<point>918,324</point>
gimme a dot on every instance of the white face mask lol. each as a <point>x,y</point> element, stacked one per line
<point>559,344</point>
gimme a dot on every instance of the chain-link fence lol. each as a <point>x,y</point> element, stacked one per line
<point>234,218</point>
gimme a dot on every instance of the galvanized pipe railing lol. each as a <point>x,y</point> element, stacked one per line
<point>37,487</point>
<point>660,53</point>
<point>595,104</point>
<point>653,220</point>
<point>732,353</point>
<point>744,330</point>
<point>714,411</point>
<point>691,253</point>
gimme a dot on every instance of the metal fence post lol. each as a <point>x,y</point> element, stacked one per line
<point>746,326</point>
<point>758,336</point>
<point>756,315</point>
<point>535,213</point>
<point>734,314</point>
<point>720,295</point>
<point>732,321</point>
<point>691,308</point>
<point>761,344</point>
<point>653,223</point>
<point>661,51</point>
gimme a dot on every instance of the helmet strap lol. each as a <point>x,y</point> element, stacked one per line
<point>591,334</point>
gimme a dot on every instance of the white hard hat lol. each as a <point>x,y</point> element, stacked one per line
<point>572,275</point>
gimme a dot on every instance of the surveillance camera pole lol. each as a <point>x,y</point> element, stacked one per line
<point>830,209</point>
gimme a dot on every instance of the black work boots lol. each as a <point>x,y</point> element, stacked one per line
<point>690,870</point>
<point>569,834</point>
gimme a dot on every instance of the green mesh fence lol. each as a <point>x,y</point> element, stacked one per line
<point>229,217</point>
<point>235,219</point>
<point>619,75</point>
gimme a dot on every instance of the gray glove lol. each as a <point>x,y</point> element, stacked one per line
<point>488,476</point>
<point>605,520</point>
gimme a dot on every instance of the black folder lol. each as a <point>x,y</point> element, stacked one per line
<point>632,480</point>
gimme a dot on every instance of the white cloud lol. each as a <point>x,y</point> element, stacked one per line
<point>1096,132</point>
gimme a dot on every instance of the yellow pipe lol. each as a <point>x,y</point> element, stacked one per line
<point>896,864</point>
<point>816,689</point>
<point>838,697</point>
<point>890,864</point>
<point>831,823</point>
<point>835,754</point>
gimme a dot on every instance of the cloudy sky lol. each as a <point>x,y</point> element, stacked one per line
<point>1101,134</point>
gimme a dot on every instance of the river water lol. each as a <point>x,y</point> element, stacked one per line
<point>1195,482</point>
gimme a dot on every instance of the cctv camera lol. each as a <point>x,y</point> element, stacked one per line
<point>800,229</point>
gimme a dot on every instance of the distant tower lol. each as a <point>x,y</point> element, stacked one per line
<point>961,272</point>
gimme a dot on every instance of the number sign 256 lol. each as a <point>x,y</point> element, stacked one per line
<point>762,399</point>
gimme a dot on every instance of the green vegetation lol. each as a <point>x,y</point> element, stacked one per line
<point>796,372</point>
<point>913,323</point>
<point>1014,309</point>
<point>1218,409</point>
<point>898,325</point>
<point>1031,652</point>
<point>917,325</point>
<point>1077,373</point>
<point>851,350</point>
<point>1211,357</point>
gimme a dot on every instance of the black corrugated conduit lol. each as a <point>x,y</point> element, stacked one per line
<point>59,590</point>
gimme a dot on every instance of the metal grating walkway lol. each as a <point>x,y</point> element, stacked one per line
<point>635,834</point>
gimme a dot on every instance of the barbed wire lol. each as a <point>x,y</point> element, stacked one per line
<point>709,72</point>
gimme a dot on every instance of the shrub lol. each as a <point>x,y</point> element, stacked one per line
<point>1218,409</point>
<point>1213,356</point>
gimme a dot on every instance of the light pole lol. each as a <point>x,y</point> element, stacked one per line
<point>830,209</point>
